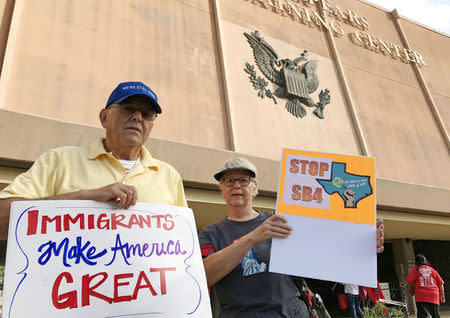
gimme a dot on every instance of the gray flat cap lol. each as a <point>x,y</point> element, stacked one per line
<point>237,164</point>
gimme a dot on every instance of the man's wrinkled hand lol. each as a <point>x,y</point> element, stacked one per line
<point>121,194</point>
<point>380,236</point>
<point>275,226</point>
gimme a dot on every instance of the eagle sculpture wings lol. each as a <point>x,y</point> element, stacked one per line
<point>295,82</point>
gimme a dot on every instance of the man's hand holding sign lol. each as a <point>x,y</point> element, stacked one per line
<point>380,236</point>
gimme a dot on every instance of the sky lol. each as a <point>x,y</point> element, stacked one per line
<point>433,13</point>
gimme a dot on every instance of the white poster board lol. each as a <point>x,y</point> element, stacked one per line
<point>329,201</point>
<point>86,259</point>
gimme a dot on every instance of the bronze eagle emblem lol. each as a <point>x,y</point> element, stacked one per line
<point>295,82</point>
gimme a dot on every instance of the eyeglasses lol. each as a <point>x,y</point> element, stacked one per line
<point>243,182</point>
<point>147,113</point>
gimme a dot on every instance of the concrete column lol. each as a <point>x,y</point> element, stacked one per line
<point>404,261</point>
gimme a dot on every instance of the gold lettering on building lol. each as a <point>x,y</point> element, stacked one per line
<point>320,21</point>
<point>365,23</point>
<point>300,10</point>
<point>353,18</point>
<point>397,50</point>
<point>337,27</point>
<point>419,58</point>
<point>326,6</point>
<point>376,44</point>
<point>307,14</point>
<point>373,41</point>
<point>338,13</point>
<point>409,55</point>
<point>292,8</point>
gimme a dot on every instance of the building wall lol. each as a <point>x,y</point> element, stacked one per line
<point>62,59</point>
<point>69,55</point>
<point>434,45</point>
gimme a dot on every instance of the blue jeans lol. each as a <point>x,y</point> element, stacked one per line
<point>353,306</point>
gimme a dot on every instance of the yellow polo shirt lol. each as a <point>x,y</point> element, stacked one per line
<point>69,169</point>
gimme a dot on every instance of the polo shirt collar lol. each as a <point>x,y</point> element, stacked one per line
<point>147,159</point>
<point>98,149</point>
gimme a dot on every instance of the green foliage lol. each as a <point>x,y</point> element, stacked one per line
<point>2,275</point>
<point>380,310</point>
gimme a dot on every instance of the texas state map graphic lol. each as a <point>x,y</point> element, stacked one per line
<point>351,188</point>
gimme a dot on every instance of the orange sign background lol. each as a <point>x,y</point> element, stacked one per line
<point>365,211</point>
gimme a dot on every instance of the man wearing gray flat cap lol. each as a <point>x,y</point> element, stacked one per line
<point>236,253</point>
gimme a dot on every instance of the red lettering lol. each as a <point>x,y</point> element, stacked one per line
<point>162,276</point>
<point>305,194</point>
<point>307,191</point>
<point>304,163</point>
<point>116,219</point>
<point>139,285</point>
<point>46,219</point>
<point>67,218</point>
<point>103,222</point>
<point>91,221</point>
<point>313,168</point>
<point>32,221</point>
<point>172,223</point>
<point>147,220</point>
<point>296,195</point>
<point>89,284</point>
<point>318,195</point>
<point>66,300</point>
<point>117,298</point>
<point>134,221</point>
<point>158,220</point>
<point>87,290</point>
<point>294,166</point>
<point>322,168</point>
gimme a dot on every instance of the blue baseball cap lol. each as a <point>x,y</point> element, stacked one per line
<point>128,89</point>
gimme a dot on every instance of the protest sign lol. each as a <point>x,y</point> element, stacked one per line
<point>87,259</point>
<point>329,201</point>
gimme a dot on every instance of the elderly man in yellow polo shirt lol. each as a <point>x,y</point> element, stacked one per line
<point>117,168</point>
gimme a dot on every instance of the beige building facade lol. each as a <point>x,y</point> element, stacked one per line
<point>387,77</point>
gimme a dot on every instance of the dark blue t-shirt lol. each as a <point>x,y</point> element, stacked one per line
<point>249,290</point>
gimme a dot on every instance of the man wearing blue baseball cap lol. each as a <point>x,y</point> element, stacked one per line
<point>117,168</point>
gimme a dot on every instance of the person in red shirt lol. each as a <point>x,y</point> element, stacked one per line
<point>428,288</point>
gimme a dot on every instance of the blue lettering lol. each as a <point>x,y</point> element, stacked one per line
<point>80,253</point>
<point>118,247</point>
<point>74,252</point>
<point>170,243</point>
<point>144,250</point>
<point>50,249</point>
